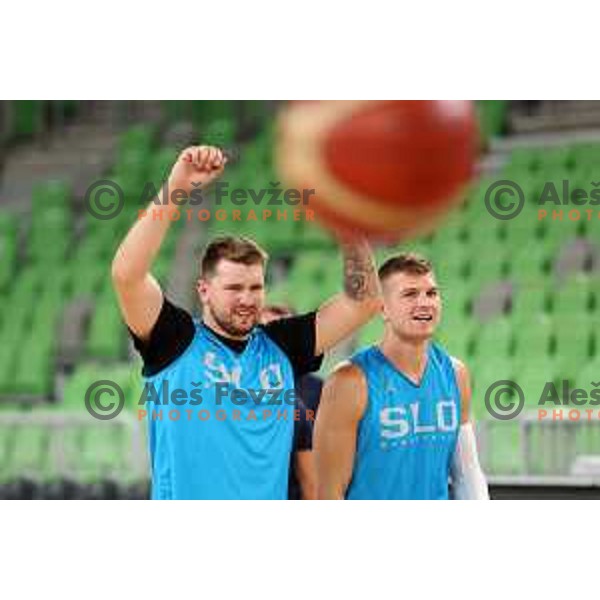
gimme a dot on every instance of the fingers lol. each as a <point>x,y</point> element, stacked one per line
<point>220,160</point>
<point>204,158</point>
<point>217,171</point>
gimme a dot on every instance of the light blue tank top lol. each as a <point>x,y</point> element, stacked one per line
<point>209,444</point>
<point>408,433</point>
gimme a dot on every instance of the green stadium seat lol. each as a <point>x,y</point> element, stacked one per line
<point>28,117</point>
<point>532,374</point>
<point>573,336</point>
<point>586,154</point>
<point>89,277</point>
<point>219,132</point>
<point>524,160</point>
<point>31,449</point>
<point>206,111</point>
<point>279,293</point>
<point>531,262</point>
<point>457,297</point>
<point>482,230</point>
<point>450,233</point>
<point>561,158</point>
<point>161,269</point>
<point>176,110</point>
<point>160,165</point>
<point>489,263</point>
<point>13,329</point>
<point>319,270</point>
<point>492,117</point>
<point>486,371</point>
<point>456,335</point>
<point>34,369</point>
<point>533,337</point>
<point>7,361</point>
<point>137,139</point>
<point>305,297</point>
<point>587,375</point>
<point>369,334</point>
<point>501,454</point>
<point>574,296</point>
<point>132,169</point>
<point>494,339</point>
<point>106,339</point>
<point>8,249</point>
<point>530,298</point>
<point>453,265</point>
<point>311,235</point>
<point>33,362</point>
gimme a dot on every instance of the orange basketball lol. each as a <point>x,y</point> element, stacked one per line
<point>387,169</point>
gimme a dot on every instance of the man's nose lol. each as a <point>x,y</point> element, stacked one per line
<point>425,300</point>
<point>246,298</point>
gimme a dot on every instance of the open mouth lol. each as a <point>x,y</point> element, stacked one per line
<point>423,318</point>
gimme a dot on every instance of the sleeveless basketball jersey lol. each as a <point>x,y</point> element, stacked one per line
<point>211,444</point>
<point>408,433</point>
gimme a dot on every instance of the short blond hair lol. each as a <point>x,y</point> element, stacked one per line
<point>407,262</point>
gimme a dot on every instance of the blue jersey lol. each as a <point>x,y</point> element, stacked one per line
<point>220,437</point>
<point>408,433</point>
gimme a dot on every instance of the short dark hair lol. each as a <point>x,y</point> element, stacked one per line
<point>407,262</point>
<point>238,249</point>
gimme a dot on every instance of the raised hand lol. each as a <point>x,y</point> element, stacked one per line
<point>197,166</point>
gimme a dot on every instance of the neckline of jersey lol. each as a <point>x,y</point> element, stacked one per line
<point>224,341</point>
<point>402,374</point>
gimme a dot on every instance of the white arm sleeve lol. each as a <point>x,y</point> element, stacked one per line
<point>468,480</point>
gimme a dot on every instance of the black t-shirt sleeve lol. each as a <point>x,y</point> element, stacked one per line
<point>303,429</point>
<point>296,336</point>
<point>171,335</point>
<point>309,387</point>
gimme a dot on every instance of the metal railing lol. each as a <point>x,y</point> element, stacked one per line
<point>47,445</point>
<point>528,447</point>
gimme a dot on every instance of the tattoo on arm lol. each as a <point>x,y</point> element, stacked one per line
<point>360,278</point>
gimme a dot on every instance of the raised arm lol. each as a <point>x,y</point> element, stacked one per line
<point>343,403</point>
<point>343,314</point>
<point>139,294</point>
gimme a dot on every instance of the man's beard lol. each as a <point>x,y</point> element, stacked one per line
<point>225,322</point>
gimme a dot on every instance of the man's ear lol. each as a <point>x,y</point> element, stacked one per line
<point>201,287</point>
<point>384,314</point>
<point>382,307</point>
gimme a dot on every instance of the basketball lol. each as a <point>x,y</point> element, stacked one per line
<point>387,169</point>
